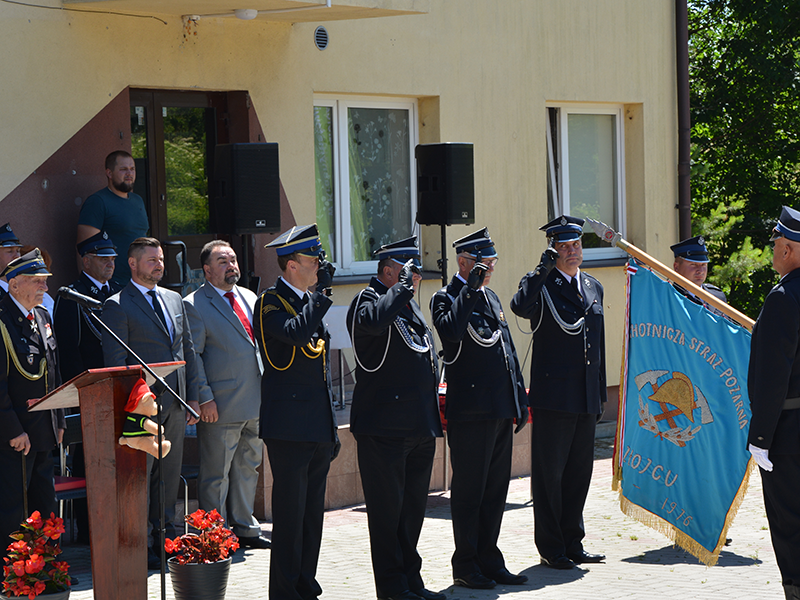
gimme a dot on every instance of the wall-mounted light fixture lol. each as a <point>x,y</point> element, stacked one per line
<point>248,14</point>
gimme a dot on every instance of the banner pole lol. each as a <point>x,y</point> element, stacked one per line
<point>607,234</point>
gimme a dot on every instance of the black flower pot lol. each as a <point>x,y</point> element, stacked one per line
<point>206,581</point>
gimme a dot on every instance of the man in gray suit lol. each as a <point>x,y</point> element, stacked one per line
<point>229,372</point>
<point>152,321</point>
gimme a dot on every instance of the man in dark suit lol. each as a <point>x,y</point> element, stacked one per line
<point>691,261</point>
<point>28,369</point>
<point>297,419</point>
<point>395,417</point>
<point>80,345</point>
<point>152,321</point>
<point>567,390</point>
<point>773,384</point>
<point>9,250</point>
<point>229,371</point>
<point>485,395</point>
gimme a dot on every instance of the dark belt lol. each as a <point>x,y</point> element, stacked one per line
<point>791,403</point>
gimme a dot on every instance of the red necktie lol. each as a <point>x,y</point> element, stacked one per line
<point>240,313</point>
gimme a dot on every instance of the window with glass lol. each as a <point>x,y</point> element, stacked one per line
<point>585,170</point>
<point>365,177</point>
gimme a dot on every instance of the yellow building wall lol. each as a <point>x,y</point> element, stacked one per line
<point>483,71</point>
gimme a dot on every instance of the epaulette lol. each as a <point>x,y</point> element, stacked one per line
<point>711,286</point>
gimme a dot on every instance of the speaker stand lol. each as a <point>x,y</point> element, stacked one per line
<point>443,260</point>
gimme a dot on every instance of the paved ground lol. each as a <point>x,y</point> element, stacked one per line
<point>641,563</point>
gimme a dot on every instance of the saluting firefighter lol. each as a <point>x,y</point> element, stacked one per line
<point>567,390</point>
<point>297,419</point>
<point>28,369</point>
<point>395,417</point>
<point>485,396</point>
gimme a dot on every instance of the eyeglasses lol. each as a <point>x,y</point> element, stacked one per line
<point>489,262</point>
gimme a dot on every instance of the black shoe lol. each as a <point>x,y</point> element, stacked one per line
<point>429,595</point>
<point>407,595</point>
<point>503,577</point>
<point>475,581</point>
<point>258,541</point>
<point>557,562</point>
<point>584,557</point>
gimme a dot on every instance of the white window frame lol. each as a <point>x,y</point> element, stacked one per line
<point>345,264</point>
<point>561,176</point>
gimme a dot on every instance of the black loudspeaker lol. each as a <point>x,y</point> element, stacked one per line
<point>445,184</point>
<point>247,196</point>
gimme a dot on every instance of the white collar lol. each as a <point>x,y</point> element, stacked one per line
<point>99,285</point>
<point>300,293</point>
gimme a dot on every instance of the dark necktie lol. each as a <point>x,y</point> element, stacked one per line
<point>240,313</point>
<point>157,308</point>
<point>104,291</point>
<point>574,283</point>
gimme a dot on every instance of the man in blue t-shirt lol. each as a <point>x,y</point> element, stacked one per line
<point>116,210</point>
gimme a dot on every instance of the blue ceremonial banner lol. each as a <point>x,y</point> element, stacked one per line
<point>680,461</point>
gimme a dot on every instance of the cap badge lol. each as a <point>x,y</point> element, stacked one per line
<point>563,220</point>
<point>105,235</point>
<point>701,241</point>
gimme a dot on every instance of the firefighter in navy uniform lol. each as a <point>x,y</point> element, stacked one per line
<point>28,369</point>
<point>80,346</point>
<point>773,384</point>
<point>485,396</point>
<point>9,250</point>
<point>691,261</point>
<point>567,390</point>
<point>297,418</point>
<point>395,417</point>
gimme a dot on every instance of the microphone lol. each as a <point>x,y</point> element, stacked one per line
<point>84,301</point>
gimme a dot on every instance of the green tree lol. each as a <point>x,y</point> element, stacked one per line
<point>745,99</point>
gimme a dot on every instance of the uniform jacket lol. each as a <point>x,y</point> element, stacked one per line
<point>129,314</point>
<point>399,399</point>
<point>568,372</point>
<point>482,382</point>
<point>28,348</point>
<point>711,289</point>
<point>774,370</point>
<point>80,340</point>
<point>296,397</point>
<point>228,362</point>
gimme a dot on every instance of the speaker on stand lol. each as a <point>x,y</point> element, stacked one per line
<point>246,198</point>
<point>445,188</point>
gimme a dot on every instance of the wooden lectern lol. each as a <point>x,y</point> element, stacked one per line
<point>116,478</point>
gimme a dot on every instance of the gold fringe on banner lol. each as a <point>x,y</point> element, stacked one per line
<point>681,539</point>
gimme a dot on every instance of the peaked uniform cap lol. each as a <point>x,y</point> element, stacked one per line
<point>476,242</point>
<point>31,263</point>
<point>693,249</point>
<point>8,239</point>
<point>300,238</point>
<point>564,228</point>
<point>400,251</point>
<point>99,244</point>
<point>788,225</point>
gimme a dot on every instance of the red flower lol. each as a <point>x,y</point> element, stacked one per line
<point>19,568</point>
<point>34,564</point>
<point>35,520</point>
<point>214,542</point>
<point>54,527</point>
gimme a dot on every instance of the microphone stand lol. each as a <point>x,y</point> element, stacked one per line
<point>162,502</point>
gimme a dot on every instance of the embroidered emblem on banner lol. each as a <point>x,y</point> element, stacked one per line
<point>678,400</point>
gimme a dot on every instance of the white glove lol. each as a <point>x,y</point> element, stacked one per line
<point>761,457</point>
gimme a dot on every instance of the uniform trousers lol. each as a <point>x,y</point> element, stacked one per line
<point>173,420</point>
<point>230,454</point>
<point>299,474</point>
<point>41,493</point>
<point>395,476</point>
<point>562,456</point>
<point>480,454</point>
<point>782,504</point>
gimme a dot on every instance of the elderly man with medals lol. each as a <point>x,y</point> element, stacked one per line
<point>567,390</point>
<point>28,369</point>
<point>395,417</point>
<point>485,396</point>
<point>297,419</point>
